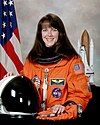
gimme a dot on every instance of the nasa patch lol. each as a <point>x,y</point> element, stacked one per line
<point>56,92</point>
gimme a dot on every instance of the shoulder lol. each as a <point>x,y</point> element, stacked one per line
<point>28,63</point>
<point>76,59</point>
<point>77,65</point>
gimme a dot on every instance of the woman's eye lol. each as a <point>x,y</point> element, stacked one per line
<point>44,30</point>
<point>54,29</point>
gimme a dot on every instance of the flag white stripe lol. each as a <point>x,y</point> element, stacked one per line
<point>7,62</point>
<point>16,46</point>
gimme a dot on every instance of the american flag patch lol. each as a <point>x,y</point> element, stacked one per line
<point>76,67</point>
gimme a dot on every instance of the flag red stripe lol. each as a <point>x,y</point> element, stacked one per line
<point>16,32</point>
<point>8,47</point>
<point>2,71</point>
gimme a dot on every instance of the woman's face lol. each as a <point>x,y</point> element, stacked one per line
<point>49,35</point>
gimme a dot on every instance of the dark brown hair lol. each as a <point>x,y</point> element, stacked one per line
<point>62,46</point>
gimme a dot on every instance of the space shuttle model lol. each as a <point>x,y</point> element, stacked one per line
<point>86,51</point>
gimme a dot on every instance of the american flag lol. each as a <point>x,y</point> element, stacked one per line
<point>10,51</point>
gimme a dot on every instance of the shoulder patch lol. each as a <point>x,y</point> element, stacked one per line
<point>78,68</point>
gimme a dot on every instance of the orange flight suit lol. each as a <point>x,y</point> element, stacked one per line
<point>66,81</point>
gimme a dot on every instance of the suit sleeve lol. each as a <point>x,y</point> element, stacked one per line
<point>78,84</point>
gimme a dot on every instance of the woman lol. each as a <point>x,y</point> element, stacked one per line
<point>57,70</point>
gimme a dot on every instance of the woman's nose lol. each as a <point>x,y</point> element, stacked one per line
<point>49,32</point>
